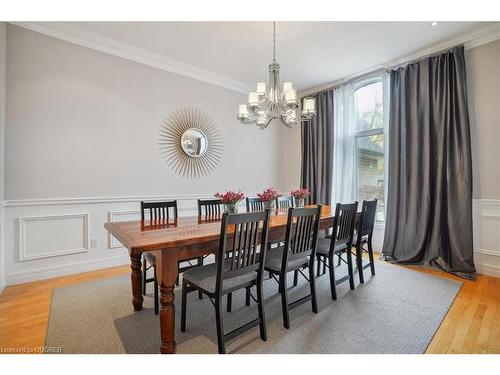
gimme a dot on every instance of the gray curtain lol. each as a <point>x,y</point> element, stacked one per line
<point>429,208</point>
<point>317,151</point>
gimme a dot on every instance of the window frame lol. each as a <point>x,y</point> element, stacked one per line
<point>370,132</point>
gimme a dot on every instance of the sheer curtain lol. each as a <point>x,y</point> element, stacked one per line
<point>344,143</point>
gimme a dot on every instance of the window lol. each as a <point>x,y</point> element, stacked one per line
<point>369,144</point>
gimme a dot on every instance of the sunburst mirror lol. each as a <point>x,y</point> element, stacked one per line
<point>190,142</point>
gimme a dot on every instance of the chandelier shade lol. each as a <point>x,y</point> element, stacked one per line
<point>279,102</point>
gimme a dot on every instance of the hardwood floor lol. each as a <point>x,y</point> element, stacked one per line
<point>471,325</point>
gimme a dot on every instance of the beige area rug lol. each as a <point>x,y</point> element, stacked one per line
<point>397,311</point>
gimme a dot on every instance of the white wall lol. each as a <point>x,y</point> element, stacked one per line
<point>483,84</point>
<point>82,129</point>
<point>2,150</point>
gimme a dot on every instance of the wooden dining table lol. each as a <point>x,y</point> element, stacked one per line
<point>174,241</point>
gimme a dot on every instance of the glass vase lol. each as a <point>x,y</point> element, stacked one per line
<point>299,202</point>
<point>267,204</point>
<point>231,208</point>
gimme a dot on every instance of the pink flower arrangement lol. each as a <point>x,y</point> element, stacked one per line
<point>300,193</point>
<point>230,197</point>
<point>268,195</point>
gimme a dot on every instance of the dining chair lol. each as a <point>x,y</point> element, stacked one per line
<point>297,254</point>
<point>341,241</point>
<point>244,236</point>
<point>254,204</point>
<point>209,209</point>
<point>284,202</point>
<point>160,212</point>
<point>364,236</point>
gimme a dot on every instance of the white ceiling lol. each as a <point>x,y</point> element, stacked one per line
<point>310,53</point>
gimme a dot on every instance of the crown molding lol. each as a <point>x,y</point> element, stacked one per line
<point>71,34</point>
<point>470,40</point>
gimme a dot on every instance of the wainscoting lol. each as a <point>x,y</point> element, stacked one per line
<point>486,223</point>
<point>54,237</point>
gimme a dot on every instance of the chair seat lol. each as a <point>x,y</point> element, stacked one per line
<point>274,257</point>
<point>204,277</point>
<point>364,239</point>
<point>150,258</point>
<point>324,247</point>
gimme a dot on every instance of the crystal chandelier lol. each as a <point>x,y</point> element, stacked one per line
<point>280,102</point>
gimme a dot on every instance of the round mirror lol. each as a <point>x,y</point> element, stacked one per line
<point>194,142</point>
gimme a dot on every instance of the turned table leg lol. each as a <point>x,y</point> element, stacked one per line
<point>136,279</point>
<point>168,274</point>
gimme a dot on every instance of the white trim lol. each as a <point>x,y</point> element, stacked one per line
<point>23,256</point>
<point>487,252</point>
<point>488,269</point>
<point>98,200</point>
<point>66,269</point>
<point>471,40</point>
<point>99,43</point>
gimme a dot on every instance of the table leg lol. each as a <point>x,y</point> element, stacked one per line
<point>136,279</point>
<point>168,274</point>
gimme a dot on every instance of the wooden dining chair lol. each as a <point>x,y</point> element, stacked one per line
<point>209,209</point>
<point>340,242</point>
<point>160,212</point>
<point>254,204</point>
<point>244,236</point>
<point>284,202</point>
<point>296,255</point>
<point>364,236</point>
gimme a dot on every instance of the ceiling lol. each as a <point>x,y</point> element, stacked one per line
<point>310,53</point>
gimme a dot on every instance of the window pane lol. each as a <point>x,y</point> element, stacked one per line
<point>370,170</point>
<point>368,109</point>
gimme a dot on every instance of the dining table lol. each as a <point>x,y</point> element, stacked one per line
<point>177,240</point>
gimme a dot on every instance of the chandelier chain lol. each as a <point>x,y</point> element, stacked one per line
<point>274,42</point>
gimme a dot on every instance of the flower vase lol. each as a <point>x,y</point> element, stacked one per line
<point>299,202</point>
<point>231,208</point>
<point>267,205</point>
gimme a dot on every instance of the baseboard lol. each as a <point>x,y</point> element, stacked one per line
<point>488,269</point>
<point>2,285</point>
<point>65,269</point>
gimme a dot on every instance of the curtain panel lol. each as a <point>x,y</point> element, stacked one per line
<point>317,150</point>
<point>429,203</point>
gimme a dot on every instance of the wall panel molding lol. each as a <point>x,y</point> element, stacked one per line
<point>24,222</point>
<point>486,226</point>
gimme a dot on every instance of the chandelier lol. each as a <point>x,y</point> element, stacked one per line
<point>279,102</point>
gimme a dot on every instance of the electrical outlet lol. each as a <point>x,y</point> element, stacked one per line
<point>93,242</point>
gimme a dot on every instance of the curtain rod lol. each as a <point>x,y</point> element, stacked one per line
<point>387,69</point>
<point>420,58</point>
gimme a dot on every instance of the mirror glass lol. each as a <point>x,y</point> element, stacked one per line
<point>194,142</point>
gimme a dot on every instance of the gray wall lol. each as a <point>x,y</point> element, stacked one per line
<point>483,79</point>
<point>81,123</point>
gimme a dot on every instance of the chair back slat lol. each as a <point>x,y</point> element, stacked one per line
<point>284,202</point>
<point>209,209</point>
<point>254,204</point>
<point>344,222</point>
<point>244,237</point>
<point>367,220</point>
<point>159,211</point>
<point>301,233</point>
